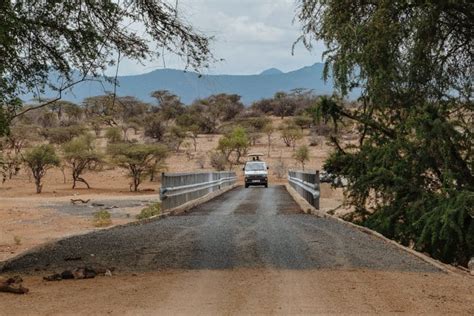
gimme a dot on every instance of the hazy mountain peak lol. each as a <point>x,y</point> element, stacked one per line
<point>271,71</point>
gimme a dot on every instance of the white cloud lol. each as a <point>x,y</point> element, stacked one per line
<point>250,35</point>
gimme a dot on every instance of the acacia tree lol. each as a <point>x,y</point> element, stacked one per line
<point>234,145</point>
<point>39,160</point>
<point>80,155</point>
<point>302,155</point>
<point>138,159</point>
<point>410,175</point>
<point>77,40</point>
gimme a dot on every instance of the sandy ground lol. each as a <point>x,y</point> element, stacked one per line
<point>248,291</point>
<point>28,220</point>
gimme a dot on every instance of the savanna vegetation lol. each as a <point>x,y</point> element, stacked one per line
<point>405,146</point>
<point>411,171</point>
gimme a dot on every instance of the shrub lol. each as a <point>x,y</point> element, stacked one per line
<point>61,135</point>
<point>280,169</point>
<point>290,133</point>
<point>17,240</point>
<point>218,161</point>
<point>150,211</point>
<point>102,218</point>
<point>302,155</point>
<point>113,135</point>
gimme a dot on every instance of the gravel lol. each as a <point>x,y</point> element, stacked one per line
<point>255,227</point>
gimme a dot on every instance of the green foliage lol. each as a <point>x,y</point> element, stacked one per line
<point>138,159</point>
<point>39,160</point>
<point>175,137</point>
<point>234,145</point>
<point>102,218</point>
<point>149,211</point>
<point>114,135</point>
<point>61,135</point>
<point>302,155</point>
<point>411,173</point>
<point>154,127</point>
<point>303,121</point>
<point>80,155</point>
<point>170,106</point>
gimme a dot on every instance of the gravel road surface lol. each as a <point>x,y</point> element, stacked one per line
<point>254,228</point>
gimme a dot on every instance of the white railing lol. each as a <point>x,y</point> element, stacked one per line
<point>306,183</point>
<point>180,188</point>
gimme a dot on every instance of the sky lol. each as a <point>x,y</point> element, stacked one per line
<point>250,35</point>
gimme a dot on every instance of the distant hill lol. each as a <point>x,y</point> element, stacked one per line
<point>190,86</point>
<point>272,71</point>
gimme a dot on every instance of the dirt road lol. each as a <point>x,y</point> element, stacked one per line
<point>248,251</point>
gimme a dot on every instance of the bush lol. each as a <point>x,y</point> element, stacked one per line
<point>150,211</point>
<point>302,155</point>
<point>102,219</point>
<point>61,135</point>
<point>113,135</point>
<point>218,161</point>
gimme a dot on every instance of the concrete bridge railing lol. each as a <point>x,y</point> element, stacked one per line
<point>306,184</point>
<point>180,188</point>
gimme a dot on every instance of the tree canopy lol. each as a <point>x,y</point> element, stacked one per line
<point>411,172</point>
<point>77,40</point>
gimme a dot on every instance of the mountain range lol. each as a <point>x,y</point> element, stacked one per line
<point>191,86</point>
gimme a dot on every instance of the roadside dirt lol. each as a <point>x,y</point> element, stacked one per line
<point>248,291</point>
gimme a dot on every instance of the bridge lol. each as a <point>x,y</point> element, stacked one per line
<point>256,243</point>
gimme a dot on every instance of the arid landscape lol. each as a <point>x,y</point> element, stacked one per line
<point>238,157</point>
<point>28,219</point>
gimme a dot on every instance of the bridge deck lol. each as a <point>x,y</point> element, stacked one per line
<point>249,228</point>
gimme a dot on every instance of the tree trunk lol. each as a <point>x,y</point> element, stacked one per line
<point>38,184</point>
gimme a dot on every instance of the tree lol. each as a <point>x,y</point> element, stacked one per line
<point>302,155</point>
<point>139,159</point>
<point>290,133</point>
<point>61,135</point>
<point>154,127</point>
<point>175,137</point>
<point>235,143</point>
<point>268,129</point>
<point>193,133</point>
<point>411,174</point>
<point>170,106</point>
<point>80,155</point>
<point>77,40</point>
<point>39,160</point>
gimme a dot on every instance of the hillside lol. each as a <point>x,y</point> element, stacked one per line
<point>190,85</point>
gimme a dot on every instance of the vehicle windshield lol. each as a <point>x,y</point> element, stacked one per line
<point>255,166</point>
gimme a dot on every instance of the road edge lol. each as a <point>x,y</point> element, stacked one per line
<point>174,211</point>
<point>309,209</point>
<point>182,208</point>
